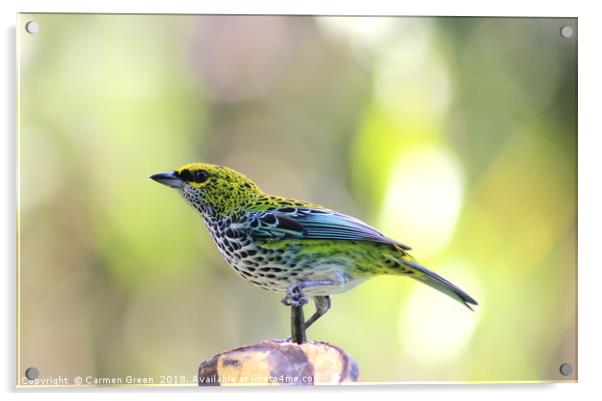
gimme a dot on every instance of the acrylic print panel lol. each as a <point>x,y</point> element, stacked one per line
<point>455,136</point>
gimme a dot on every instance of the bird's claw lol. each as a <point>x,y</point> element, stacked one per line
<point>295,296</point>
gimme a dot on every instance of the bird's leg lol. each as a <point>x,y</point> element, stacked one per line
<point>296,299</point>
<point>322,305</point>
<point>294,293</point>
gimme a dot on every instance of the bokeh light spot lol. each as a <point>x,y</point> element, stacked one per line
<point>433,328</point>
<point>424,198</point>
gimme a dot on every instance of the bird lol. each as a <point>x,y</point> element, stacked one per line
<point>294,247</point>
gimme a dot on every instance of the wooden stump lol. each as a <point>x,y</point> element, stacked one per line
<point>279,362</point>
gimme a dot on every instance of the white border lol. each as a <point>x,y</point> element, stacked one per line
<point>379,7</point>
<point>590,131</point>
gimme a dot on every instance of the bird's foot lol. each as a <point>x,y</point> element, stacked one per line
<point>294,295</point>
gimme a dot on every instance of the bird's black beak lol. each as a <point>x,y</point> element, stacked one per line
<point>170,179</point>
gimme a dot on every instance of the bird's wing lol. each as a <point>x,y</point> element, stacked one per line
<point>309,223</point>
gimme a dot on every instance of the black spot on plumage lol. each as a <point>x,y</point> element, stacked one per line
<point>269,219</point>
<point>287,209</point>
<point>252,252</point>
<point>185,175</point>
<point>289,223</point>
<point>243,254</point>
<point>230,233</point>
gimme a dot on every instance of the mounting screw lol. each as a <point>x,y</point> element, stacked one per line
<point>566,369</point>
<point>32,373</point>
<point>32,27</point>
<point>566,31</point>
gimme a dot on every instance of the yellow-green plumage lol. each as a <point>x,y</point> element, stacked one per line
<point>283,245</point>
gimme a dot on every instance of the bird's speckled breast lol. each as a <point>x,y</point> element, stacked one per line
<point>274,264</point>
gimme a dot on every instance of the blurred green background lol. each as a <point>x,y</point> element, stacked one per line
<point>456,136</point>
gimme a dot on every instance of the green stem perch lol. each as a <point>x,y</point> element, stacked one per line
<point>297,325</point>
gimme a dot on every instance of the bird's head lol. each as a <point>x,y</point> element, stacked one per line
<point>212,190</point>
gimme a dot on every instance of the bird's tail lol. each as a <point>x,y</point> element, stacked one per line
<point>434,280</point>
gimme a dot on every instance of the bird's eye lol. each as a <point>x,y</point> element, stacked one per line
<point>200,176</point>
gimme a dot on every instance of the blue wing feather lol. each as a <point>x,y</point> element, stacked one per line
<point>310,223</point>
